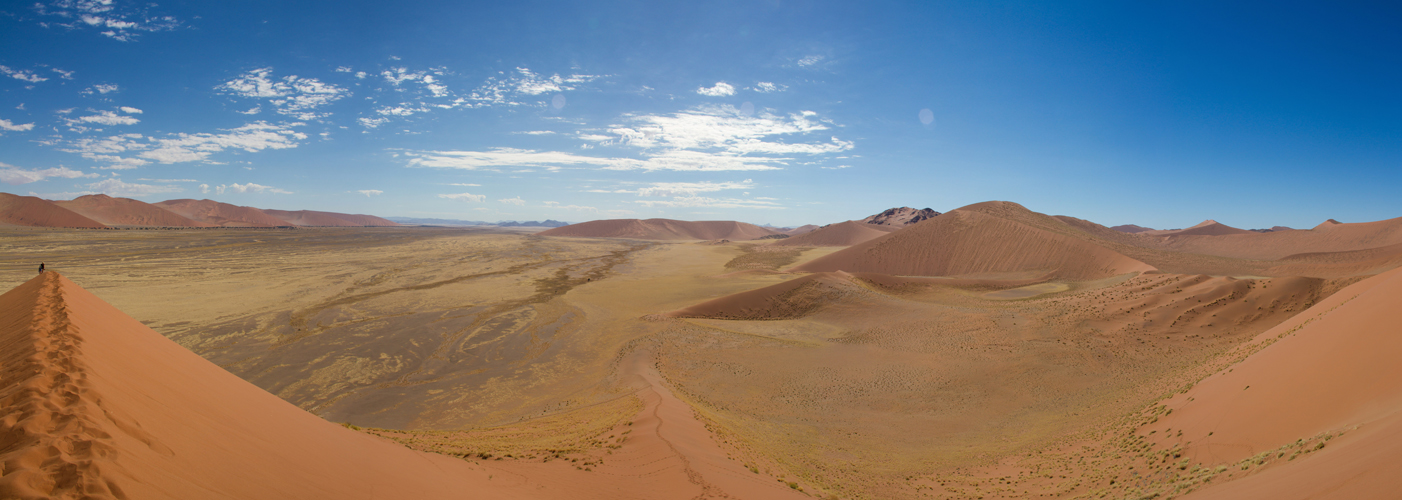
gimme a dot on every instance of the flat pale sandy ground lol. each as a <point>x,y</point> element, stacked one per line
<point>453,340</point>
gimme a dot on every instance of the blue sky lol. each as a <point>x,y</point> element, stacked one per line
<point>781,112</point>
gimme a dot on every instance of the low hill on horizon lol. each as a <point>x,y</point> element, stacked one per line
<point>114,211</point>
<point>662,229</point>
<point>32,211</point>
<point>990,238</point>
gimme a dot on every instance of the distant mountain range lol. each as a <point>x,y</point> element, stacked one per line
<point>99,211</point>
<point>422,221</point>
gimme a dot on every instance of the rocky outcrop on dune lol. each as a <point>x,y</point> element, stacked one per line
<point>903,216</point>
<point>125,212</point>
<point>1326,390</point>
<point>325,219</point>
<point>842,234</point>
<point>985,239</point>
<point>36,212</point>
<point>221,214</point>
<point>662,229</point>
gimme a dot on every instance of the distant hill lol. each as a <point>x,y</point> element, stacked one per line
<point>38,212</point>
<point>313,218</point>
<point>662,229</point>
<point>903,216</point>
<point>222,214</point>
<point>1131,228</point>
<point>531,223</point>
<point>842,234</point>
<point>126,212</point>
<point>995,238</point>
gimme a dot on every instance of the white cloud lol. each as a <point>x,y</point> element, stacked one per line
<point>708,138</point>
<point>182,147</point>
<point>514,201</point>
<point>291,95</point>
<point>839,167</point>
<point>370,192</point>
<point>768,87</point>
<point>361,75</point>
<point>462,184</point>
<point>101,88</point>
<point>576,208</point>
<point>372,122</point>
<point>22,75</point>
<point>509,89</point>
<point>121,23</point>
<point>115,187</point>
<point>537,132</point>
<point>249,188</point>
<point>167,180</point>
<point>251,111</point>
<point>465,197</point>
<point>66,75</point>
<point>344,69</point>
<point>721,89</point>
<point>701,201</point>
<point>107,118</point>
<point>10,126</point>
<point>130,110</point>
<point>682,189</point>
<point>204,188</point>
<point>15,176</point>
<point>810,60</point>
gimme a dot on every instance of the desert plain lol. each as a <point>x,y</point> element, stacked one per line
<point>988,352</point>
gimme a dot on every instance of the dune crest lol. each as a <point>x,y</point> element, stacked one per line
<point>991,238</point>
<point>221,214</point>
<point>842,234</point>
<point>37,212</point>
<point>126,212</point>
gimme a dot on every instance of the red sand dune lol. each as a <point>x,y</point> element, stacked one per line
<point>991,238</point>
<point>1328,237</point>
<point>1334,367</point>
<point>99,406</point>
<point>314,218</point>
<point>1208,227</point>
<point>221,214</point>
<point>37,212</point>
<point>794,298</point>
<point>1131,228</point>
<point>662,229</point>
<point>806,228</point>
<point>125,212</point>
<point>900,217</point>
<point>842,234</point>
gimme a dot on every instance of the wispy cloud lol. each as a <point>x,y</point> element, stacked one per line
<point>119,23</point>
<point>768,87</point>
<point>291,95</point>
<point>106,118</point>
<point>249,188</point>
<point>130,110</point>
<point>370,192</point>
<point>721,89</point>
<point>702,201</point>
<point>509,89</point>
<point>10,126</point>
<point>22,75</point>
<point>15,176</point>
<point>708,138</point>
<point>115,187</point>
<point>101,88</point>
<point>810,60</point>
<point>133,150</point>
<point>465,197</point>
<point>682,189</point>
<point>514,201</point>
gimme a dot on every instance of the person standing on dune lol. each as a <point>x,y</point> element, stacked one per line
<point>41,268</point>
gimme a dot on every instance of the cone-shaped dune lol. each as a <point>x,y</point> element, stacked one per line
<point>662,229</point>
<point>221,214</point>
<point>125,212</point>
<point>1329,369</point>
<point>37,212</point>
<point>314,218</point>
<point>992,238</point>
<point>842,234</point>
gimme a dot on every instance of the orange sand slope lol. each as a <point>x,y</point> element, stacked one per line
<point>842,234</point>
<point>1333,367</point>
<point>221,214</point>
<point>1328,237</point>
<point>97,405</point>
<point>991,238</point>
<point>31,211</point>
<point>125,212</point>
<point>662,229</point>
<point>1208,227</point>
<point>314,218</point>
<point>806,228</point>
